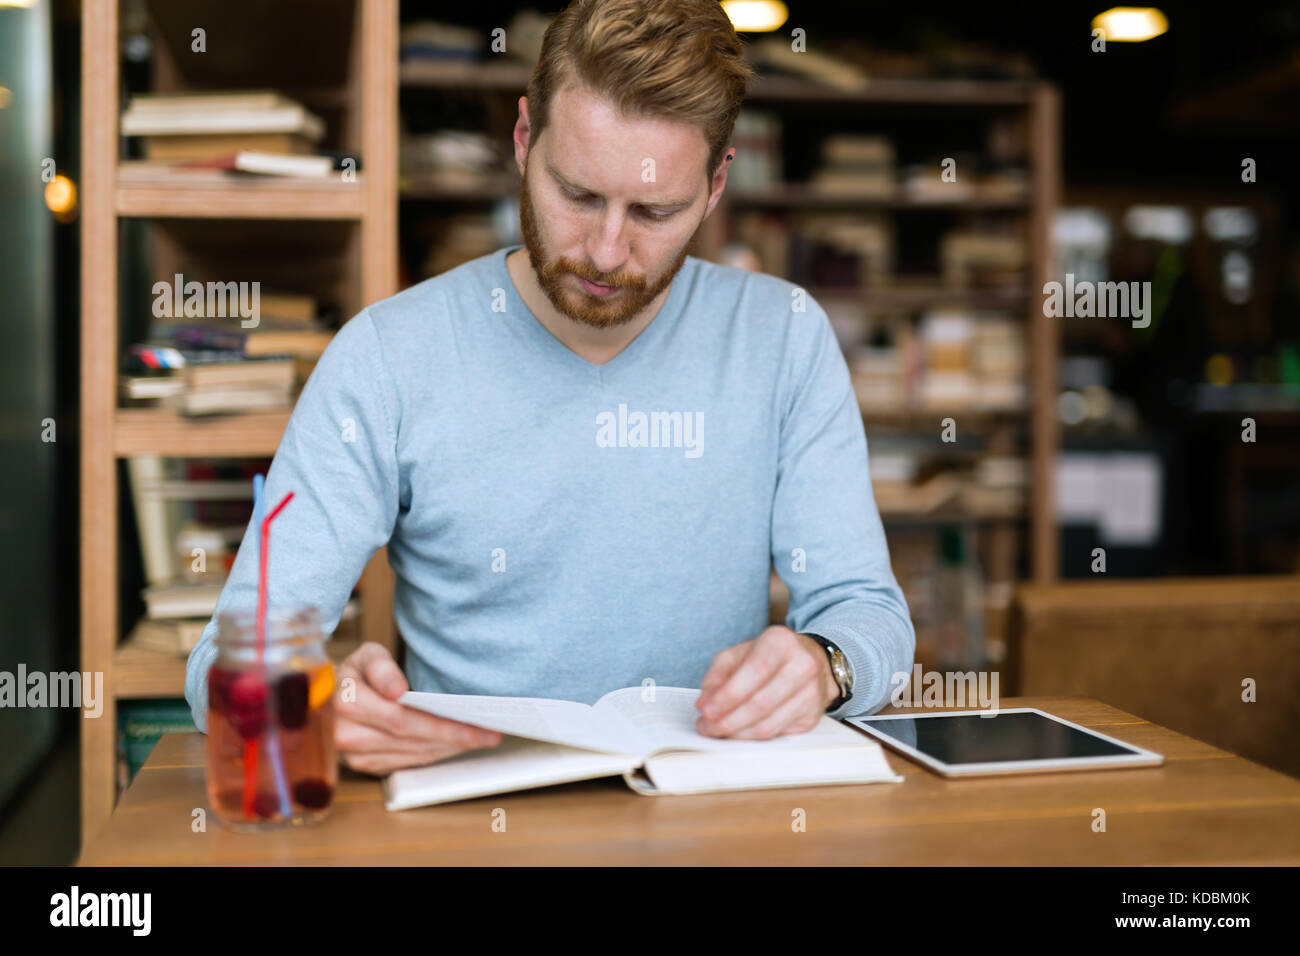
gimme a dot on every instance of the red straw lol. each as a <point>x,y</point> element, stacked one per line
<point>250,746</point>
<point>261,575</point>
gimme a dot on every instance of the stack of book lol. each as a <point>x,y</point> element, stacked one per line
<point>455,159</point>
<point>177,614</point>
<point>999,485</point>
<point>257,131</point>
<point>1000,364</point>
<point>190,519</point>
<point>431,40</point>
<point>855,165</point>
<point>758,163</point>
<point>460,238</point>
<point>200,367</point>
<point>191,516</point>
<point>848,250</point>
<point>198,382</point>
<point>879,370</point>
<point>976,258</point>
<point>945,339</point>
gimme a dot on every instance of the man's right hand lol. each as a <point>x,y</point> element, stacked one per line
<point>375,734</point>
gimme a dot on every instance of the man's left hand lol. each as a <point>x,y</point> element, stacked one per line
<point>778,683</point>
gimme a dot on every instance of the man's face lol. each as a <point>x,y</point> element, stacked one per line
<point>613,200</point>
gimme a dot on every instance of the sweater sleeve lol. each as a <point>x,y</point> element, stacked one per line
<point>338,456</point>
<point>828,544</point>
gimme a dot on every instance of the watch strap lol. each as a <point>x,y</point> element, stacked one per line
<point>840,671</point>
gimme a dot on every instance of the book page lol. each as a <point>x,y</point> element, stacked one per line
<point>667,720</point>
<point>517,764</point>
<point>537,718</point>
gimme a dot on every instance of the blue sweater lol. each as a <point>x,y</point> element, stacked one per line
<point>561,529</point>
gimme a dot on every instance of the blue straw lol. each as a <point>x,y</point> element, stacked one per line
<point>273,733</point>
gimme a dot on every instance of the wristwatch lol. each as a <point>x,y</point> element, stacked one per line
<point>840,670</point>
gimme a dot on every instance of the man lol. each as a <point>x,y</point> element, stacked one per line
<point>585,453</point>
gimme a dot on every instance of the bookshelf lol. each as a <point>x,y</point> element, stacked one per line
<point>346,231</point>
<point>1014,544</point>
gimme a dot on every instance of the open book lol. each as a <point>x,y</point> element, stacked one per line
<point>646,734</point>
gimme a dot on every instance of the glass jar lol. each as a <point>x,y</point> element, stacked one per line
<point>271,755</point>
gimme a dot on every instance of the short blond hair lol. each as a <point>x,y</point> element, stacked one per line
<point>673,59</point>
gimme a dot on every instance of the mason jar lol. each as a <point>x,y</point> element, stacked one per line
<point>271,755</point>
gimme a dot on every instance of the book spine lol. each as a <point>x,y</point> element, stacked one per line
<point>198,337</point>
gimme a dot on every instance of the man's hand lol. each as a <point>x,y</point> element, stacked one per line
<point>778,683</point>
<point>377,735</point>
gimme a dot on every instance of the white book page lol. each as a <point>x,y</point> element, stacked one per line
<point>537,718</point>
<point>667,721</point>
<point>516,764</point>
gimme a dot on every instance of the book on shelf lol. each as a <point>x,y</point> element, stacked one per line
<point>259,384</point>
<point>143,358</point>
<point>151,105</point>
<point>180,598</point>
<point>260,342</point>
<point>974,258</point>
<point>288,307</point>
<point>775,53</point>
<point>438,41</point>
<point>264,163</point>
<point>155,519</point>
<point>218,388</point>
<point>229,401</point>
<point>184,149</point>
<point>181,504</point>
<point>925,183</point>
<point>169,636</point>
<point>150,388</point>
<point>205,126</point>
<point>647,737</point>
<point>928,495</point>
<point>758,163</point>
<point>178,636</point>
<point>140,724</point>
<point>856,165</point>
<point>273,373</point>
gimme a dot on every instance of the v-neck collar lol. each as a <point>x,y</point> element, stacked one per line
<point>659,326</point>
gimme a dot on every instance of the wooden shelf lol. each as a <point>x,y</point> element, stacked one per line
<point>160,431</point>
<point>786,195</point>
<point>338,239</point>
<point>931,417</point>
<point>487,75</point>
<point>803,196</point>
<point>144,190</point>
<point>512,77</point>
<point>950,516</point>
<point>940,93</point>
<point>412,190</point>
<point>142,672</point>
<point>923,295</point>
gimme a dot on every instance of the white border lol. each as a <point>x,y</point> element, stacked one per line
<point>1138,757</point>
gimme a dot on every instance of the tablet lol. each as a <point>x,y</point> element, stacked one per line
<point>969,743</point>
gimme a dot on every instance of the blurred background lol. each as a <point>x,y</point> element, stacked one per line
<point>1089,504</point>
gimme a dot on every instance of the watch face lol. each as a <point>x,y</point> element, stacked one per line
<point>843,676</point>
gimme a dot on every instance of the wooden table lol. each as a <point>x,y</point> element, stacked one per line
<point>1204,806</point>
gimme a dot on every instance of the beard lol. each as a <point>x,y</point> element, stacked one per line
<point>634,292</point>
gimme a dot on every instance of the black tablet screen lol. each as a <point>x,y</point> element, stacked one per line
<point>1004,737</point>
